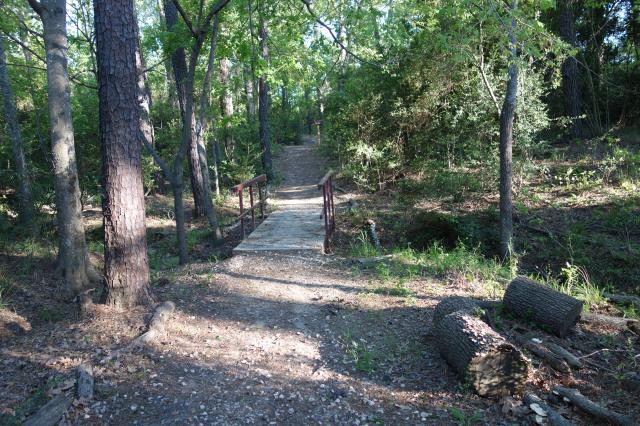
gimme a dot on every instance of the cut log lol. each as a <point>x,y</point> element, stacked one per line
<point>543,353</point>
<point>590,407</point>
<point>84,389</point>
<point>535,302</point>
<point>570,358</point>
<point>492,366</point>
<point>553,417</point>
<point>50,413</point>
<point>618,323</point>
<point>452,304</point>
<point>623,299</point>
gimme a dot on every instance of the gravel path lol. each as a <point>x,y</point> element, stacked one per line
<point>290,338</point>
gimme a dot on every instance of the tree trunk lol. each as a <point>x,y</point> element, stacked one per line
<point>535,302</point>
<point>570,88</point>
<point>226,106</point>
<point>200,135</point>
<point>506,145</point>
<point>174,176</point>
<point>183,83</point>
<point>26,207</point>
<point>480,356</point>
<point>125,241</point>
<point>249,92</point>
<point>72,256</point>
<point>263,107</point>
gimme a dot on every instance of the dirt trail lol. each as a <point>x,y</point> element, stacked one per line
<point>289,338</point>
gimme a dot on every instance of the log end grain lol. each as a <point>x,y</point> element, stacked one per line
<point>483,358</point>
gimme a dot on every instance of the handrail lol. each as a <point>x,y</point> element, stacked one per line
<point>326,177</point>
<point>250,182</point>
<point>328,208</point>
<point>259,181</point>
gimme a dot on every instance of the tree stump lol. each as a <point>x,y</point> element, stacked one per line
<point>532,301</point>
<point>490,364</point>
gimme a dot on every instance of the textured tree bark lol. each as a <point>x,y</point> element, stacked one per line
<point>529,300</point>
<point>452,304</point>
<point>26,207</point>
<point>226,106</point>
<point>506,145</point>
<point>184,84</point>
<point>570,87</point>
<point>480,356</point>
<point>263,99</point>
<point>125,241</point>
<point>73,257</point>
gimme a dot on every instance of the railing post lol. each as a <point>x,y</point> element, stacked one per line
<point>253,212</point>
<point>240,192</point>
<point>260,188</point>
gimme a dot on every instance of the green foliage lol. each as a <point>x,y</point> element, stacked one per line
<point>463,419</point>
<point>363,359</point>
<point>574,281</point>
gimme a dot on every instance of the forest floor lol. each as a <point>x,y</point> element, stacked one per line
<point>288,338</point>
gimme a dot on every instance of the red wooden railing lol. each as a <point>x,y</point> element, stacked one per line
<point>328,210</point>
<point>260,182</point>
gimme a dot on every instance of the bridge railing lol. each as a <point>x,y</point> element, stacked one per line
<point>328,210</point>
<point>259,182</point>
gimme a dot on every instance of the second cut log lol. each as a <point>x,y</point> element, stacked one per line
<point>545,306</point>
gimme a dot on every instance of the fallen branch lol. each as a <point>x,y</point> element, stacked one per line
<point>546,355</point>
<point>590,407</point>
<point>618,323</point>
<point>51,413</point>
<point>623,299</point>
<point>570,358</point>
<point>554,418</point>
<point>156,327</point>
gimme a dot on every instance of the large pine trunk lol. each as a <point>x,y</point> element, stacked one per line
<point>480,356</point>
<point>263,102</point>
<point>570,87</point>
<point>73,258</point>
<point>535,302</point>
<point>25,199</point>
<point>125,242</point>
<point>506,146</point>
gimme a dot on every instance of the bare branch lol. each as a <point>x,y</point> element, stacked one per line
<point>336,40</point>
<point>185,17</point>
<point>24,46</point>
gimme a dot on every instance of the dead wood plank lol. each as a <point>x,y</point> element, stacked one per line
<point>51,413</point>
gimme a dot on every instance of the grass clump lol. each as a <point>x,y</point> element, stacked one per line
<point>574,281</point>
